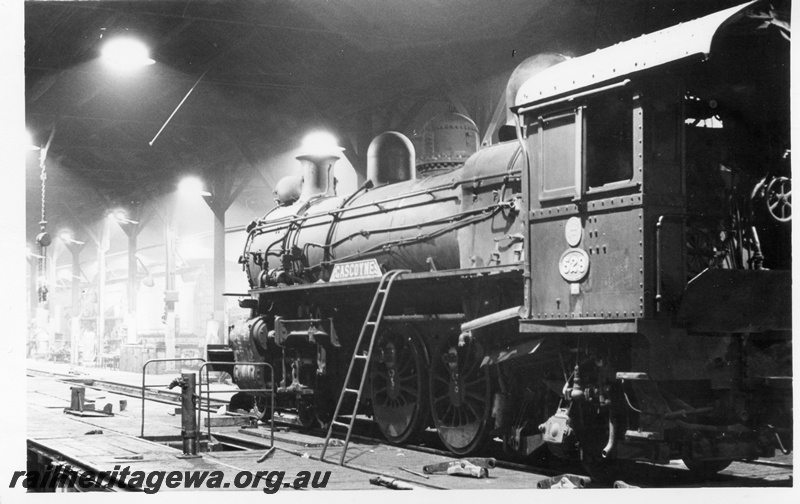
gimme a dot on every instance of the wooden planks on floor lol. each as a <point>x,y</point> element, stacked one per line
<point>44,394</point>
<point>296,451</point>
<point>59,436</point>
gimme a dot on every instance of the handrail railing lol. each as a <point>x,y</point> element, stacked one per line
<point>264,390</point>
<point>659,225</point>
<point>144,377</point>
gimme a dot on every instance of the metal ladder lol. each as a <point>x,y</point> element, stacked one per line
<point>379,301</point>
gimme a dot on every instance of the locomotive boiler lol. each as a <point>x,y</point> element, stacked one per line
<point>612,282</point>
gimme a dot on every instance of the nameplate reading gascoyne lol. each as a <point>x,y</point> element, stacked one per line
<point>368,268</point>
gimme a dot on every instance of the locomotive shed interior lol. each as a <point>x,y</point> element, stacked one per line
<point>555,233</point>
<point>272,71</point>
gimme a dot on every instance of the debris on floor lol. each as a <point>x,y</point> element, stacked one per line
<point>267,455</point>
<point>415,473</point>
<point>565,481</point>
<point>129,457</point>
<point>82,407</point>
<point>390,483</point>
<point>473,467</point>
<point>466,468</point>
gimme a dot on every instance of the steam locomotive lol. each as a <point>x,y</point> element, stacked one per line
<point>610,282</point>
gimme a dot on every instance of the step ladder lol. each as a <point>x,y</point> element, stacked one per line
<point>361,355</point>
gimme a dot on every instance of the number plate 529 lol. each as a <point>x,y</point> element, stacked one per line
<point>574,265</point>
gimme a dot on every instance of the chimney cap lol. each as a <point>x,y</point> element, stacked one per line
<point>319,145</point>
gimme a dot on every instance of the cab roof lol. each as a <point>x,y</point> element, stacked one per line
<point>682,41</point>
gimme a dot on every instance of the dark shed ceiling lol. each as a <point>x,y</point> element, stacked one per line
<point>270,71</point>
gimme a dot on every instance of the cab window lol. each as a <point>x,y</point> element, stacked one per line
<point>558,136</point>
<point>608,142</point>
<point>587,149</point>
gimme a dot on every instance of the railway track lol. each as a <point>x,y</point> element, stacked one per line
<point>641,475</point>
<point>153,394</point>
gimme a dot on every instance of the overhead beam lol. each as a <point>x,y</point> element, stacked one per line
<point>457,103</point>
<point>498,116</point>
<point>94,237</point>
<point>404,122</point>
<point>248,156</point>
<point>119,120</point>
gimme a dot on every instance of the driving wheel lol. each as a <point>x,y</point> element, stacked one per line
<point>461,392</point>
<point>399,377</point>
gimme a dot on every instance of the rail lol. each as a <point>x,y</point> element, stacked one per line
<point>144,377</point>
<point>263,390</point>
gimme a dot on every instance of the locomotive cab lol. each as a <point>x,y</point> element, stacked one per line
<point>660,166</point>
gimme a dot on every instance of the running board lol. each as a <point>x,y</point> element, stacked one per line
<point>492,318</point>
<point>434,317</point>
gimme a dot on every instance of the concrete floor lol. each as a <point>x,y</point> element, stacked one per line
<point>50,427</point>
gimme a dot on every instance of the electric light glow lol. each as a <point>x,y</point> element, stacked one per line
<point>126,54</point>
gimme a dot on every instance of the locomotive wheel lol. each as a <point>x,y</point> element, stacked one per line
<point>307,414</point>
<point>261,408</point>
<point>254,406</point>
<point>779,199</point>
<point>461,393</point>
<point>399,377</point>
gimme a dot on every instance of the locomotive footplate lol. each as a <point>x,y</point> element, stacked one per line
<point>658,423</point>
<point>737,301</point>
<point>418,278</point>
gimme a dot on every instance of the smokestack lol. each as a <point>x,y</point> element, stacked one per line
<point>320,153</point>
<point>317,175</point>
